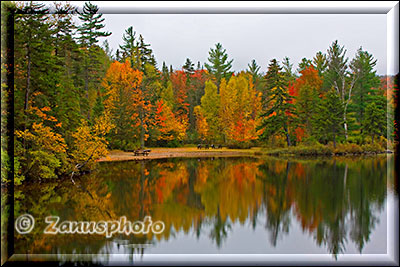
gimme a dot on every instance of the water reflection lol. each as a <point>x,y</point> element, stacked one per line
<point>337,202</point>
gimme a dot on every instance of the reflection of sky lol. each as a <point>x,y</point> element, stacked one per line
<point>242,239</point>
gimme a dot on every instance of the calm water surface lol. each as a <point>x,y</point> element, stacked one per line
<point>219,205</point>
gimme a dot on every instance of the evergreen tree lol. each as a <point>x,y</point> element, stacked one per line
<point>32,34</point>
<point>219,65</point>
<point>320,63</point>
<point>164,74</point>
<point>277,107</point>
<point>90,31</point>
<point>374,122</point>
<point>66,92</point>
<point>287,67</point>
<point>128,47</point>
<point>188,67</point>
<point>362,67</point>
<point>328,119</point>
<point>144,55</point>
<point>305,63</point>
<point>108,50</point>
<point>253,69</point>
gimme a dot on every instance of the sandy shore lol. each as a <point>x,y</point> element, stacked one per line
<point>159,153</point>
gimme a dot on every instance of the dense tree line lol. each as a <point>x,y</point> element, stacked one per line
<point>75,99</point>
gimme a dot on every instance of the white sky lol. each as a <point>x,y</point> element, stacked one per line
<point>174,37</point>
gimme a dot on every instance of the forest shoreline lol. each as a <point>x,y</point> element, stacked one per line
<point>162,153</point>
<point>192,152</point>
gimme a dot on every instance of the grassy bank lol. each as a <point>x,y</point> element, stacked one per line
<point>328,150</point>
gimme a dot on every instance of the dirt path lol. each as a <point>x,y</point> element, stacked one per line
<point>191,152</point>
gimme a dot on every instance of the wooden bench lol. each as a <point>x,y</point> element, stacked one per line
<point>144,152</point>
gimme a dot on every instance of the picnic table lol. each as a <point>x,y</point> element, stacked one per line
<point>144,152</point>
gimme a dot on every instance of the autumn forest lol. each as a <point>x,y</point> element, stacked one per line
<point>75,98</point>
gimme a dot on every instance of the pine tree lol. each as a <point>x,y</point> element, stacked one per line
<point>374,122</point>
<point>305,63</point>
<point>128,47</point>
<point>277,107</point>
<point>362,67</point>
<point>328,119</point>
<point>287,67</point>
<point>188,67</point>
<point>253,69</point>
<point>320,63</point>
<point>144,55</point>
<point>219,65</point>
<point>90,31</point>
<point>108,50</point>
<point>31,33</point>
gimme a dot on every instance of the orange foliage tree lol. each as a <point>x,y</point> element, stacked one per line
<point>167,125</point>
<point>306,91</point>
<point>123,100</point>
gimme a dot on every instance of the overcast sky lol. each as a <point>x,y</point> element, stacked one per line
<point>175,37</point>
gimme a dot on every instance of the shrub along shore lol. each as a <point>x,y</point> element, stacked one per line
<point>329,150</point>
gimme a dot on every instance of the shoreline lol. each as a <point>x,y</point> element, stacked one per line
<point>191,152</point>
<point>162,153</point>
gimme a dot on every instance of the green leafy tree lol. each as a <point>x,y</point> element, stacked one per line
<point>338,77</point>
<point>219,65</point>
<point>210,103</point>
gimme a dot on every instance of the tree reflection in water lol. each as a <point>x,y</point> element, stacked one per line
<point>333,200</point>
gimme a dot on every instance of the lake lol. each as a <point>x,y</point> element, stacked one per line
<point>245,205</point>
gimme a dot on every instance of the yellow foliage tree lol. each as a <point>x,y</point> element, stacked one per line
<point>201,123</point>
<point>240,106</point>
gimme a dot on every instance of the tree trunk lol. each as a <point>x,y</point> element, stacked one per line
<point>27,92</point>
<point>345,124</point>
<point>141,128</point>
<point>287,137</point>
<point>87,87</point>
<point>28,78</point>
<point>334,140</point>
